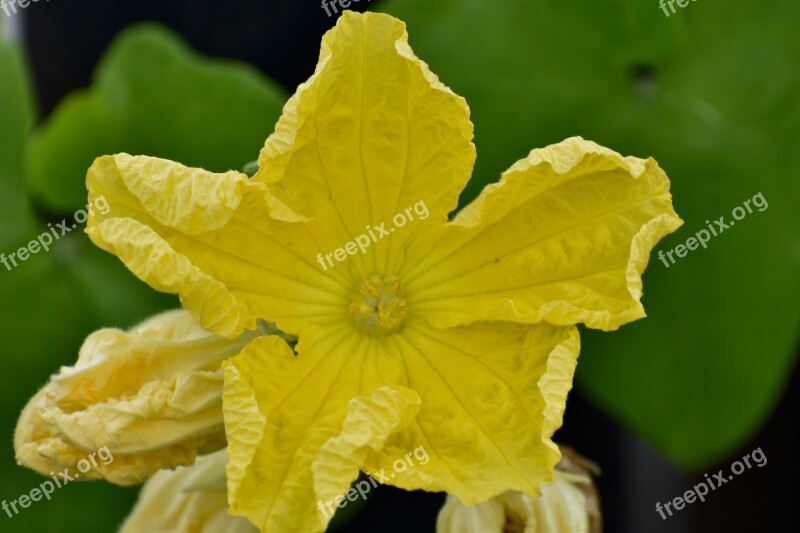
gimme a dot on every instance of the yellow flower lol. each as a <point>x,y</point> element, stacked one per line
<point>187,499</point>
<point>150,398</point>
<point>570,504</point>
<point>457,336</point>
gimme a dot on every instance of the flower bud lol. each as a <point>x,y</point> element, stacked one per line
<point>571,504</point>
<point>151,397</point>
<point>187,499</point>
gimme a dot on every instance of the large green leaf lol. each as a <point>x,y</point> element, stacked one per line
<point>153,96</point>
<point>711,92</point>
<point>15,123</point>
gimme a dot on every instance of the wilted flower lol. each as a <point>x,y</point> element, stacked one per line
<point>152,396</point>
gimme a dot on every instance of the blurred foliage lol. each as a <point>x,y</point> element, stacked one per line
<point>15,122</point>
<point>152,96</point>
<point>712,93</point>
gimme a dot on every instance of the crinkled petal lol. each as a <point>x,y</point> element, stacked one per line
<point>370,134</point>
<point>369,422</point>
<point>492,395</point>
<point>564,238</point>
<point>151,396</point>
<point>187,499</point>
<point>233,252</point>
<point>280,411</point>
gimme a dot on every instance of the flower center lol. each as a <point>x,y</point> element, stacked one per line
<point>378,306</point>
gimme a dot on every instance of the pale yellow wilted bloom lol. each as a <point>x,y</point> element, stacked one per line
<point>151,396</point>
<point>187,499</point>
<point>570,504</point>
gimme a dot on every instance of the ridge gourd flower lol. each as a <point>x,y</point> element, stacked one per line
<point>455,335</point>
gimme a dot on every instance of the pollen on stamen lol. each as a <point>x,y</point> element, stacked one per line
<point>377,307</point>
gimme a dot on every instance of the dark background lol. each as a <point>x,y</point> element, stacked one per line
<point>281,38</point>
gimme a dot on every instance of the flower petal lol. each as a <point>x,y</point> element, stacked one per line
<point>186,499</point>
<point>280,410</point>
<point>485,517</point>
<point>150,396</point>
<point>300,427</point>
<point>369,422</point>
<point>563,237</point>
<point>370,134</point>
<point>231,251</point>
<point>492,396</point>
<point>299,430</point>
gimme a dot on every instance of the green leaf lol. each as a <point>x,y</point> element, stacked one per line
<point>15,121</point>
<point>713,97</point>
<point>153,96</point>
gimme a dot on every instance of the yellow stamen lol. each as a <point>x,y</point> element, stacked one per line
<point>378,307</point>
